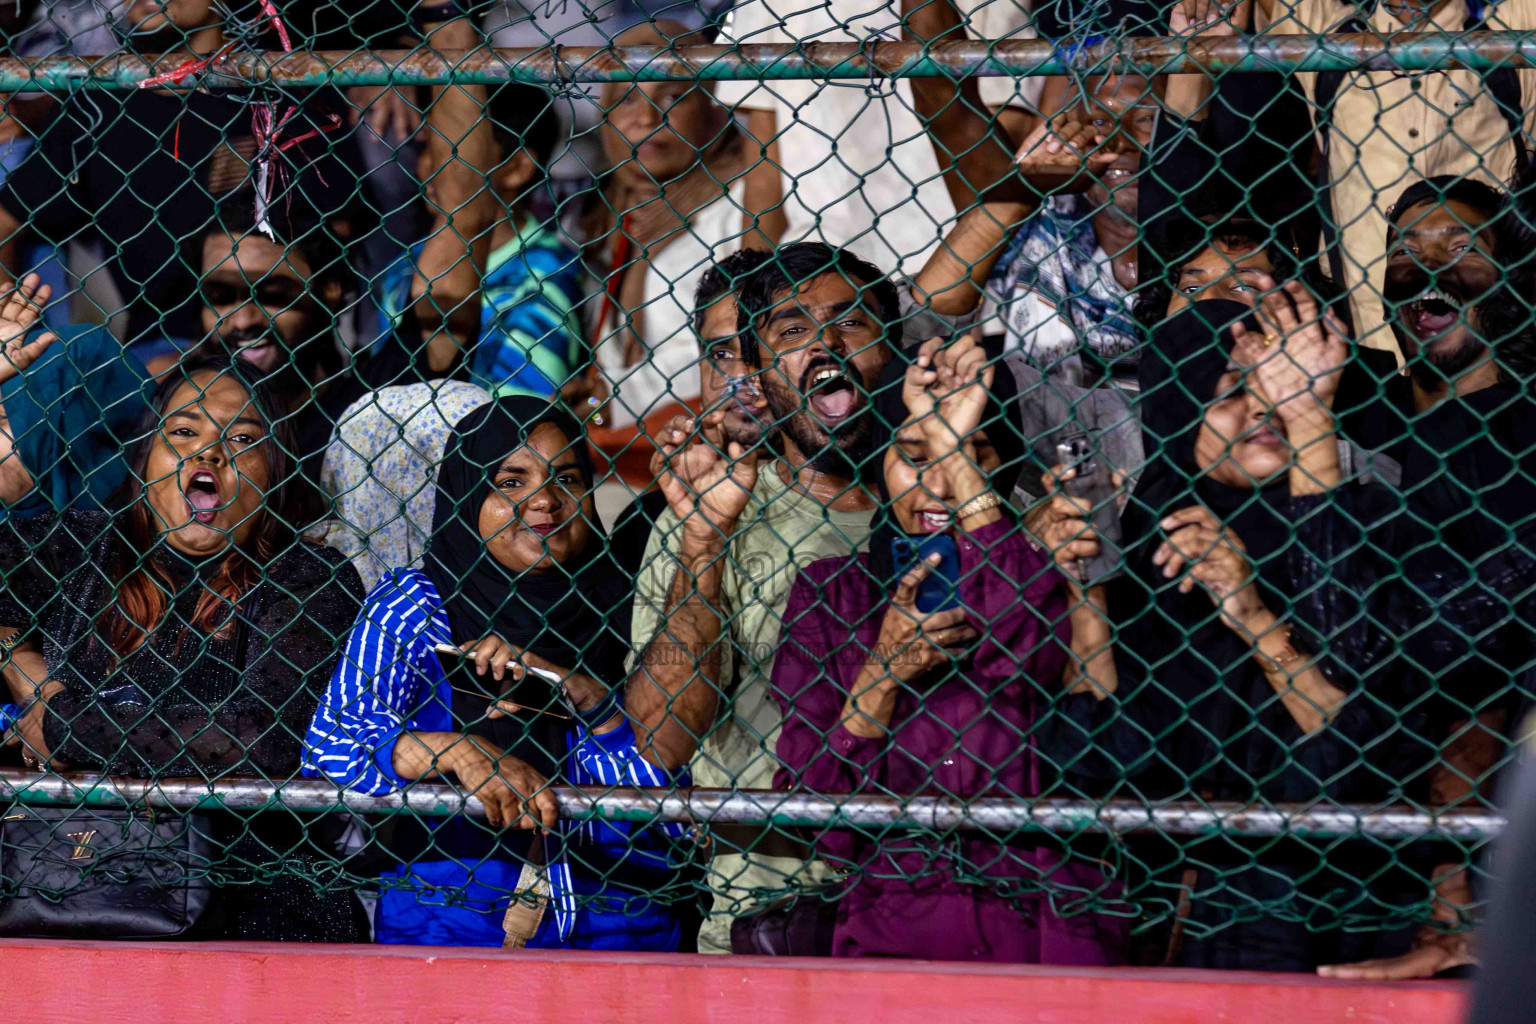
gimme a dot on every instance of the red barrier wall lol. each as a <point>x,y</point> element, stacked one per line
<point>87,983</point>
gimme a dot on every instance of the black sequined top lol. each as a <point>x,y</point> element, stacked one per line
<point>185,702</point>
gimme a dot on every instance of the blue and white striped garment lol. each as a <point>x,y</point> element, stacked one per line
<point>530,296</point>
<point>390,681</point>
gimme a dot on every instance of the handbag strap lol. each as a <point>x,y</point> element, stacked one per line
<point>526,911</point>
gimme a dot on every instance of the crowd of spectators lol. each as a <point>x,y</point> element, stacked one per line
<point>1105,436</point>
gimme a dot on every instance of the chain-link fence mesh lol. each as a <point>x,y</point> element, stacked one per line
<point>926,479</point>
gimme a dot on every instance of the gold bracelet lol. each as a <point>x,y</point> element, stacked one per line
<point>1287,656</point>
<point>980,503</point>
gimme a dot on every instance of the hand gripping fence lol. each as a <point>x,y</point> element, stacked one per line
<point>915,478</point>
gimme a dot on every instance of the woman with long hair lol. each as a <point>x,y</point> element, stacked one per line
<point>183,635</point>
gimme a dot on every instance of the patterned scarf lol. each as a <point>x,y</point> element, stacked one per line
<point>1053,256</point>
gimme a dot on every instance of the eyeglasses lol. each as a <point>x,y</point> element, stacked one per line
<point>270,292</point>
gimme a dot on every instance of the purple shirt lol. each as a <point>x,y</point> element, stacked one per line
<point>965,737</point>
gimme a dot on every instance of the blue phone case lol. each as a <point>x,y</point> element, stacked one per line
<point>940,589</point>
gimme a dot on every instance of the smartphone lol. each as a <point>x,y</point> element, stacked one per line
<point>533,692</point>
<point>940,589</point>
<point>1094,486</point>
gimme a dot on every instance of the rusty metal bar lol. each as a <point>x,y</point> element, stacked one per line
<point>752,62</point>
<point>766,807</point>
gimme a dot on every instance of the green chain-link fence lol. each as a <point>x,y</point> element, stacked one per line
<point>1217,469</point>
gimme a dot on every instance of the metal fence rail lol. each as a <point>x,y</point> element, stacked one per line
<point>768,807</point>
<point>1407,51</point>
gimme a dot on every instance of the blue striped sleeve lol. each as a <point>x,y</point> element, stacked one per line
<point>613,759</point>
<point>379,688</point>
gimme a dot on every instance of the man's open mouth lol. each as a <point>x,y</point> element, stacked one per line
<point>262,353</point>
<point>202,495</point>
<point>832,395</point>
<point>1431,314</point>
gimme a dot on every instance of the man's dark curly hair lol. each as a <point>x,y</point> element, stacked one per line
<point>792,266</point>
<point>722,278</point>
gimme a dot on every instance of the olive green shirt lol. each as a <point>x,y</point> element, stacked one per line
<point>780,531</point>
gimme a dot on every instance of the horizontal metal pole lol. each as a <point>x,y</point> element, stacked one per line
<point>767,807</point>
<point>751,62</point>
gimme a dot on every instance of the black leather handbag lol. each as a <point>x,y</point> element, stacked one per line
<point>795,925</point>
<point>83,873</point>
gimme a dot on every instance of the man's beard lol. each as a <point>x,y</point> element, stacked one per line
<point>1431,363</point>
<point>297,361</point>
<point>841,454</point>
<point>1435,366</point>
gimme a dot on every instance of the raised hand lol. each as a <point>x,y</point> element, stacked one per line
<point>946,389</point>
<point>1202,17</point>
<point>1216,560</point>
<point>706,479</point>
<point>1064,154</point>
<point>1062,524</point>
<point>1300,356</point>
<point>19,309</point>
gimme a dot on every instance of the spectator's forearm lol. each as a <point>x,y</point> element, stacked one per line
<point>673,696</point>
<point>427,755</point>
<point>1314,439</point>
<point>974,152</point>
<point>951,283</point>
<point>1306,694</point>
<point>462,148</point>
<point>1091,669</point>
<point>1188,96</point>
<point>764,188</point>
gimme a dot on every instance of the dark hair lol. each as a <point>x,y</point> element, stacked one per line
<point>1451,188</point>
<point>723,277</point>
<point>1190,239</point>
<point>140,586</point>
<point>792,266</point>
<point>1505,314</point>
<point>295,228</point>
<point>523,117</point>
<point>299,230</point>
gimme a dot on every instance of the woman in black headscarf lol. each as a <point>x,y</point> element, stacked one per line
<point>495,665</point>
<point>1218,686</point>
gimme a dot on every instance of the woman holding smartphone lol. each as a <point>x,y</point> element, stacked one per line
<point>913,668</point>
<point>448,673</point>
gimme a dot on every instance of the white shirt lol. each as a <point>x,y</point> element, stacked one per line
<point>671,372</point>
<point>859,170</point>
